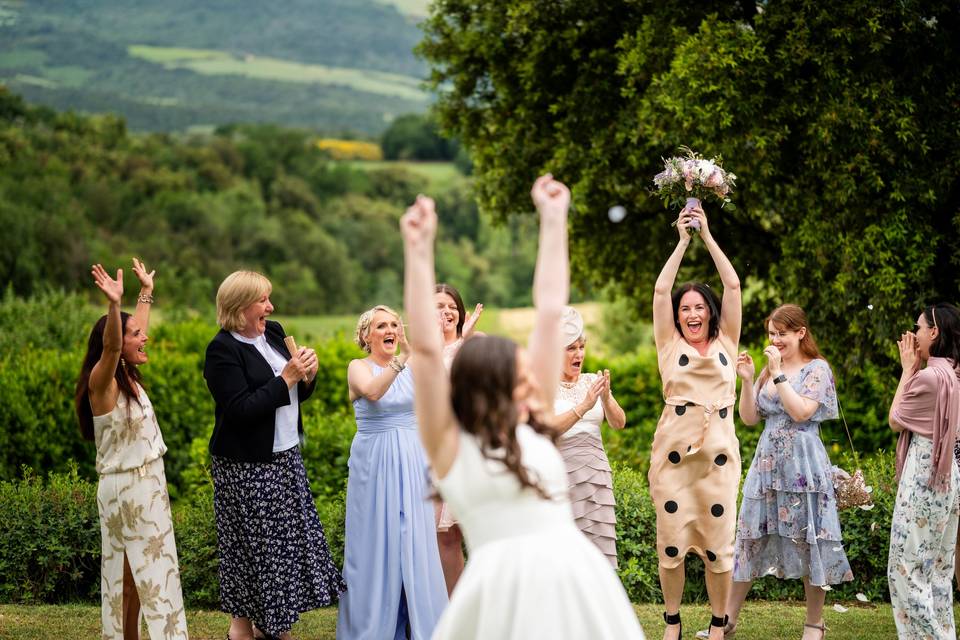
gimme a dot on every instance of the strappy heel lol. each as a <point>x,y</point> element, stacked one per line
<point>729,630</point>
<point>822,628</point>
<point>672,620</point>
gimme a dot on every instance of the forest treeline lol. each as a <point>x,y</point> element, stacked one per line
<point>77,189</point>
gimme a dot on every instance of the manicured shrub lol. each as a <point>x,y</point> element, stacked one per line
<point>50,541</point>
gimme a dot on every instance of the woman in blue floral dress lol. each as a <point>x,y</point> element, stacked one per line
<point>788,524</point>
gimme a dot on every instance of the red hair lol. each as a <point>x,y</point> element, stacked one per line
<point>790,317</point>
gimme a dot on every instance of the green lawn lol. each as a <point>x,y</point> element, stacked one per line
<point>759,621</point>
<point>440,175</point>
<point>513,323</point>
<point>215,62</point>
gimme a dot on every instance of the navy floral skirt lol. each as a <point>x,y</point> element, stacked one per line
<point>274,560</point>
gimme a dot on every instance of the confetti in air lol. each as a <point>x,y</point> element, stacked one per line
<point>616,213</point>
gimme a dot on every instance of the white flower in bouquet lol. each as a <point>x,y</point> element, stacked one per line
<point>690,178</point>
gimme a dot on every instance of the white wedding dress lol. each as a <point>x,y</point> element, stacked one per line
<point>531,573</point>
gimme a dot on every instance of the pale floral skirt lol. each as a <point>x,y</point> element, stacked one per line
<point>135,519</point>
<point>923,537</point>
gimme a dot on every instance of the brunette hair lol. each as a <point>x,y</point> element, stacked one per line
<point>790,317</point>
<point>482,380</point>
<point>457,300</point>
<point>712,300</point>
<point>946,318</point>
<point>126,375</point>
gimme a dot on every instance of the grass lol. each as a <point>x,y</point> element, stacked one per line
<point>512,323</point>
<point>759,621</point>
<point>440,175</point>
<point>214,62</point>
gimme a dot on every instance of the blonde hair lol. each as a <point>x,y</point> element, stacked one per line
<point>366,319</point>
<point>238,291</point>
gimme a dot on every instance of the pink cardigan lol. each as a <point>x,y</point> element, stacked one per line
<point>930,407</point>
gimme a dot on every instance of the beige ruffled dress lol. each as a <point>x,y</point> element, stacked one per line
<point>588,470</point>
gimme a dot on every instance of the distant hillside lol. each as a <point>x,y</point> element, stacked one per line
<point>332,65</point>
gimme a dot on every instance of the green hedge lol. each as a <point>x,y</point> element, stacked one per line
<point>50,548</point>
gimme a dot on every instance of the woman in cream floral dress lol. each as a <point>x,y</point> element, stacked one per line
<point>138,566</point>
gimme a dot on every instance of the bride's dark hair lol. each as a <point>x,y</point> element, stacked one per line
<point>483,377</point>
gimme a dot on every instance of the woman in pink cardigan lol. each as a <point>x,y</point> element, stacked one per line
<point>926,414</point>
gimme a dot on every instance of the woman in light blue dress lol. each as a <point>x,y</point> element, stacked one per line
<point>391,562</point>
<point>788,525</point>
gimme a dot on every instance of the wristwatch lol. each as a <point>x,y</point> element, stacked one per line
<point>780,378</point>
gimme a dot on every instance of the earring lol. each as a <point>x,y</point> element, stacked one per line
<point>123,363</point>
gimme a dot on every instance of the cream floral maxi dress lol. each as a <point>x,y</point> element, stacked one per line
<point>135,520</point>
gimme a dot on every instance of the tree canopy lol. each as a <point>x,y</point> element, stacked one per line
<point>841,121</point>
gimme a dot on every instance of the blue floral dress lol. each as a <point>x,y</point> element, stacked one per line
<point>788,524</point>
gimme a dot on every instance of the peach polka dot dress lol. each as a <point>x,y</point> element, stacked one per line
<point>695,461</point>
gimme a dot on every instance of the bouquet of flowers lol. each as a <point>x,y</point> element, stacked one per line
<point>687,179</point>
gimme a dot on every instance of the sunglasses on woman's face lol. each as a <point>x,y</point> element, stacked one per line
<point>916,328</point>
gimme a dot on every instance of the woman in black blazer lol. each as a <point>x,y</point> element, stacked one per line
<point>274,559</point>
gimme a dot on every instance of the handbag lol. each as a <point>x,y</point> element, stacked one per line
<point>851,490</point>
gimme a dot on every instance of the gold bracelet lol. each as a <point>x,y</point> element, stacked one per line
<point>396,365</point>
<point>577,413</point>
<point>145,298</point>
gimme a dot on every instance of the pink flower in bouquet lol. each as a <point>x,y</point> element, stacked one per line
<point>715,179</point>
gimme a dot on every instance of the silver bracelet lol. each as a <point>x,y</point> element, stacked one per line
<point>145,298</point>
<point>396,365</point>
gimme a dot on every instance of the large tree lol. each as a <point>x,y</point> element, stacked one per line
<point>842,121</point>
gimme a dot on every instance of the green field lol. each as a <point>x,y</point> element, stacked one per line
<point>440,175</point>
<point>513,323</point>
<point>759,621</point>
<point>214,62</point>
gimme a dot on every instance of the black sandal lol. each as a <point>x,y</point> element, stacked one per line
<point>672,620</point>
<point>716,621</point>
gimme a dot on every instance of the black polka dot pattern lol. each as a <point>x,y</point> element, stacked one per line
<point>674,457</point>
<point>720,460</point>
<point>670,506</point>
<point>723,359</point>
<point>673,552</point>
<point>717,510</point>
<point>680,409</point>
<point>684,360</point>
<point>711,556</point>
<point>723,413</point>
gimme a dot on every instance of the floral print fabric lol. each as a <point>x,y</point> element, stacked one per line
<point>923,536</point>
<point>788,524</point>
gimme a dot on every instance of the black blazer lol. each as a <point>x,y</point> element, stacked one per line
<point>247,395</point>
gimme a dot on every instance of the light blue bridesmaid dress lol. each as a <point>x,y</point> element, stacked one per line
<point>391,563</point>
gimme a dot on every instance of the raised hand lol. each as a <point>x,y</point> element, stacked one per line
<point>909,352</point>
<point>112,288</point>
<point>697,213</point>
<point>470,321</point>
<point>418,226</point>
<point>551,197</point>
<point>745,367</point>
<point>773,360</point>
<point>146,279</point>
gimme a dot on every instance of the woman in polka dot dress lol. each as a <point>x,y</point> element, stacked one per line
<point>695,461</point>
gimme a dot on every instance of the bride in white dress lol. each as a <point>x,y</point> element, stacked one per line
<point>531,573</point>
